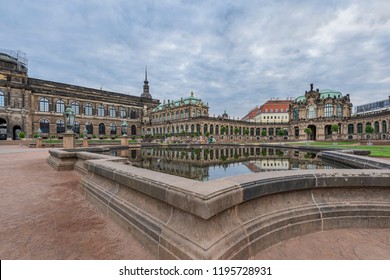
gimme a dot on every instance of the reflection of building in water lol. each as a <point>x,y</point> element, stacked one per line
<point>195,163</point>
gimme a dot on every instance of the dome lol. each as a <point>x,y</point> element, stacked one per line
<point>325,93</point>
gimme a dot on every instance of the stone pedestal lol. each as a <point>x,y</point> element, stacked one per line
<point>39,142</point>
<point>68,141</point>
<point>124,140</point>
<point>85,142</point>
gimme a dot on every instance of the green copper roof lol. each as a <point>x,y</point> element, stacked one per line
<point>325,93</point>
<point>192,99</point>
<point>300,99</point>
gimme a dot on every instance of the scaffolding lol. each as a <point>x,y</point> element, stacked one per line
<point>19,56</point>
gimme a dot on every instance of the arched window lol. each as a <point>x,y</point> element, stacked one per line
<point>211,129</point>
<point>376,127</point>
<point>60,106</point>
<point>102,129</point>
<point>75,107</point>
<point>359,128</point>
<point>112,112</point>
<point>181,114</point>
<point>113,129</point>
<point>384,127</point>
<point>205,129</point>
<point>296,114</point>
<point>351,129</point>
<point>132,114</point>
<point>60,126</point>
<point>101,111</point>
<point>88,109</point>
<point>76,127</point>
<point>89,128</point>
<point>328,110</point>
<point>43,105</point>
<point>311,111</point>
<point>122,112</point>
<point>133,130</point>
<point>44,125</point>
<point>2,99</point>
<point>339,110</point>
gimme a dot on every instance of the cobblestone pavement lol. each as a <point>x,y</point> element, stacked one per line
<point>43,215</point>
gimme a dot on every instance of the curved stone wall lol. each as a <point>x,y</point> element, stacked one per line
<point>234,217</point>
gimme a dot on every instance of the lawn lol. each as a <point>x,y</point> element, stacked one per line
<point>376,151</point>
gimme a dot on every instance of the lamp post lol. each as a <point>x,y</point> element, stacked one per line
<point>124,138</point>
<point>69,135</point>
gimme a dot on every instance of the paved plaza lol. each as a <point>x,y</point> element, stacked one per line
<point>43,215</point>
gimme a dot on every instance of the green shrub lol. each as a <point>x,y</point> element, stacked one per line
<point>22,135</point>
<point>35,136</point>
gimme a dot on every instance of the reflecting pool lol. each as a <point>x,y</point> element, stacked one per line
<point>209,163</point>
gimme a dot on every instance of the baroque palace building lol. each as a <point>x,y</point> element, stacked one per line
<point>28,104</point>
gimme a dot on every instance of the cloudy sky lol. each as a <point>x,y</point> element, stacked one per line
<point>232,54</point>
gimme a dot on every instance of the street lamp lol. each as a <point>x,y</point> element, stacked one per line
<point>124,128</point>
<point>69,118</point>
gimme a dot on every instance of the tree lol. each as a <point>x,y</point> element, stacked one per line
<point>309,132</point>
<point>236,130</point>
<point>223,129</point>
<point>369,130</point>
<point>246,131</point>
<point>335,130</point>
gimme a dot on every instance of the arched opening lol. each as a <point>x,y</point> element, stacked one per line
<point>16,131</point>
<point>328,131</point>
<point>313,134</point>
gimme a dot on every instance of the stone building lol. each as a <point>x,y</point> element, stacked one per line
<point>319,110</point>
<point>27,104</point>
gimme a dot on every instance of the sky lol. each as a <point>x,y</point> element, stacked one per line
<point>233,55</point>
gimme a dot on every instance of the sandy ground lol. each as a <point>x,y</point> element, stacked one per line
<point>43,215</point>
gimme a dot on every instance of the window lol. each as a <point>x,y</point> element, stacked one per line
<point>112,112</point>
<point>43,105</point>
<point>60,106</point>
<point>101,111</point>
<point>76,127</point>
<point>376,127</point>
<point>1,99</point>
<point>328,110</point>
<point>359,128</point>
<point>44,125</point>
<point>296,114</point>
<point>311,111</point>
<point>113,129</point>
<point>60,126</point>
<point>102,129</point>
<point>89,128</point>
<point>122,112</point>
<point>88,109</point>
<point>384,126</point>
<point>133,114</point>
<point>339,110</point>
<point>75,108</point>
<point>350,129</point>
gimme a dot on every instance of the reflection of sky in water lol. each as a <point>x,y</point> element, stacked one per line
<point>216,172</point>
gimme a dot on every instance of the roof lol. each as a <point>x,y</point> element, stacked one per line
<point>324,93</point>
<point>276,105</point>
<point>190,100</point>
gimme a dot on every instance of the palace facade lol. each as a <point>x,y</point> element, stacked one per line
<point>28,104</point>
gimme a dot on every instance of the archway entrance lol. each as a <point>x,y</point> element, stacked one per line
<point>3,129</point>
<point>313,135</point>
<point>16,131</point>
<point>328,131</point>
